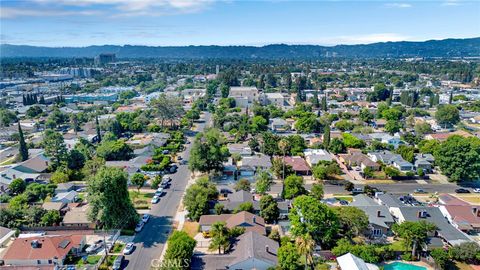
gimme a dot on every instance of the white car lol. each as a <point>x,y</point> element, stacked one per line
<point>476,190</point>
<point>155,199</point>
<point>128,249</point>
<point>145,218</point>
<point>139,226</point>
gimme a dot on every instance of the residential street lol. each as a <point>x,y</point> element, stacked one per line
<point>150,242</point>
<point>399,188</point>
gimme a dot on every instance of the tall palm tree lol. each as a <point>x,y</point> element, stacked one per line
<point>220,237</point>
<point>305,246</point>
<point>283,145</point>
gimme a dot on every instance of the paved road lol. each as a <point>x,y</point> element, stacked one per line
<point>399,188</point>
<point>150,242</point>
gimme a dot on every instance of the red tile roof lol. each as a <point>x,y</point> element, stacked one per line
<point>298,163</point>
<point>21,248</point>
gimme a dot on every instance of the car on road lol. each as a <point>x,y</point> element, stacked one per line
<point>462,190</point>
<point>139,226</point>
<point>159,192</point>
<point>357,190</point>
<point>155,199</point>
<point>184,162</point>
<point>343,202</point>
<point>476,190</point>
<point>145,218</point>
<point>419,190</point>
<point>179,158</point>
<point>117,264</point>
<point>128,248</point>
<point>94,247</point>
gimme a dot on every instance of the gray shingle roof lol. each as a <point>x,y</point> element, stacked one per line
<point>254,245</point>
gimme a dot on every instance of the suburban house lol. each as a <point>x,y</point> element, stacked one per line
<point>276,99</point>
<point>259,162</point>
<point>5,235</point>
<point>251,251</point>
<point>424,162</point>
<point>352,262</point>
<point>314,156</point>
<point>379,217</point>
<point>298,164</point>
<point>357,158</point>
<point>239,148</point>
<point>387,139</point>
<point>66,197</point>
<point>279,125</point>
<point>235,199</point>
<point>244,96</point>
<point>43,250</point>
<point>249,221</point>
<point>463,217</point>
<point>77,216</point>
<point>29,170</point>
<point>389,158</point>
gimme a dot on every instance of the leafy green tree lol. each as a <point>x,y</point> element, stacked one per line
<point>92,166</point>
<point>337,146</point>
<point>114,150</point>
<point>263,182</point>
<point>219,208</point>
<point>326,170</point>
<point>459,158</point>
<point>23,149</point>
<point>208,152</point>
<point>51,218</point>
<point>414,234</point>
<point>353,221</point>
<point>75,160</point>
<point>365,115</point>
<point>305,246</point>
<point>59,176</point>
<point>109,201</point>
<point>242,184</point>
<point>17,186</point>
<point>369,253</point>
<point>55,147</point>
<point>324,103</point>
<point>326,137</point>
<point>368,173</point>
<point>317,191</point>
<point>279,167</point>
<point>309,215</point>
<point>293,187</point>
<point>447,115</point>
<point>465,252</point>
<point>180,250</point>
<point>391,171</point>
<point>441,257</point>
<point>288,257</point>
<point>258,124</point>
<point>197,197</point>
<point>349,186</point>
<point>344,125</point>
<point>220,237</point>
<point>269,209</point>
<point>393,126</point>
<point>295,145</point>
<point>7,117</point>
<point>407,152</point>
<point>245,206</point>
<point>351,141</point>
<point>138,179</point>
<point>422,129</point>
<point>308,124</point>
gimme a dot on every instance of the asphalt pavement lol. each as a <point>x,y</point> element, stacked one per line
<point>149,243</point>
<point>398,188</point>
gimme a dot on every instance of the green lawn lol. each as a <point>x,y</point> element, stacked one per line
<point>91,260</point>
<point>118,247</point>
<point>398,246</point>
<point>140,200</point>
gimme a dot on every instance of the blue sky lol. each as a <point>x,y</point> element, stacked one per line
<point>233,22</point>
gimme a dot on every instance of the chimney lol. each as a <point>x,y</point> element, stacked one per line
<point>379,213</point>
<point>254,220</point>
<point>267,249</point>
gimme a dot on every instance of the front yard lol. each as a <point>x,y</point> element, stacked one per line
<point>141,200</point>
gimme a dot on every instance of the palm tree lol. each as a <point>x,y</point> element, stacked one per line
<point>220,237</point>
<point>283,145</point>
<point>305,245</point>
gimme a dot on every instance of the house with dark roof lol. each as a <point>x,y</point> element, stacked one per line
<point>249,221</point>
<point>379,217</point>
<point>236,198</point>
<point>258,162</point>
<point>28,170</point>
<point>43,250</point>
<point>251,251</point>
<point>389,158</point>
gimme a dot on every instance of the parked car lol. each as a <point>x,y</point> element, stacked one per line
<point>476,190</point>
<point>128,248</point>
<point>145,218</point>
<point>139,226</point>
<point>94,247</point>
<point>184,162</point>
<point>343,202</point>
<point>357,190</point>
<point>462,190</point>
<point>155,199</point>
<point>159,192</point>
<point>179,158</point>
<point>419,190</point>
<point>117,264</point>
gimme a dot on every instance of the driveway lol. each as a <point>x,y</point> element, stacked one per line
<point>149,243</point>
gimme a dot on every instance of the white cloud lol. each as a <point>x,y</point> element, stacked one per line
<point>363,39</point>
<point>137,7</point>
<point>398,5</point>
<point>449,3</point>
<point>8,13</point>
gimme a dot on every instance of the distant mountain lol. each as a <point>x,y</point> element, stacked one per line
<point>433,48</point>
